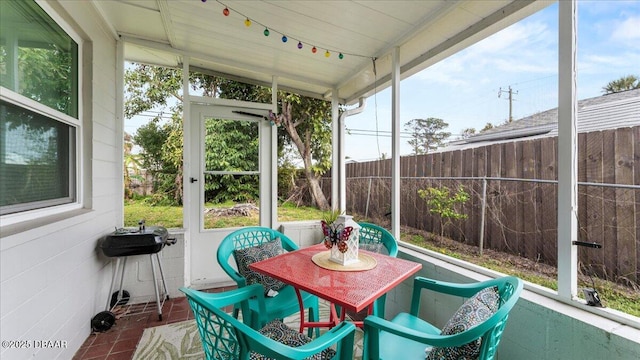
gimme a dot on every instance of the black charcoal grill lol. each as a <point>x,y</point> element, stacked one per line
<point>121,244</point>
<point>141,241</point>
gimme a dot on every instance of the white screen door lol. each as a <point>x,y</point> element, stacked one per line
<point>229,147</point>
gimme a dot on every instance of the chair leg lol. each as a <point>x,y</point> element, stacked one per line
<point>314,315</point>
<point>378,306</point>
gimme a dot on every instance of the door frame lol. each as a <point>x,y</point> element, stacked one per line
<point>201,267</point>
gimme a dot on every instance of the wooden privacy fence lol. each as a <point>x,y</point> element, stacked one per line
<point>513,188</point>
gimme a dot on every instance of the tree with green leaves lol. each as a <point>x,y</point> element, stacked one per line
<point>307,123</point>
<point>427,134</point>
<point>444,204</point>
<point>152,88</point>
<point>132,165</point>
<point>467,133</point>
<point>624,83</point>
<point>304,122</point>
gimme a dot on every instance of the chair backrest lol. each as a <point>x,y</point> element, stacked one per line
<point>225,337</point>
<point>372,235</point>
<point>490,330</point>
<point>218,329</point>
<point>244,238</point>
<point>509,289</point>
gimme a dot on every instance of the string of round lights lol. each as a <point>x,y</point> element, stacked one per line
<point>226,11</point>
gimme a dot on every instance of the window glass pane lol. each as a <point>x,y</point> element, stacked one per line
<point>231,201</point>
<point>36,160</point>
<point>231,145</point>
<point>231,187</point>
<point>37,58</point>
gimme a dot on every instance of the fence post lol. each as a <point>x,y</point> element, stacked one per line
<point>482,213</point>
<point>366,210</point>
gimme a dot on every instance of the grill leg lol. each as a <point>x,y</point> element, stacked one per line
<point>113,280</point>
<point>164,282</point>
<point>155,287</point>
<point>124,265</point>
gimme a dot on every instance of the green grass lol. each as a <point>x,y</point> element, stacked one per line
<point>171,216</point>
<point>614,296</point>
<point>167,216</point>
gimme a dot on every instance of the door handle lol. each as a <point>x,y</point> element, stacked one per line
<point>192,180</point>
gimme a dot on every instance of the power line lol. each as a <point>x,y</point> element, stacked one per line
<point>386,134</point>
<point>376,131</point>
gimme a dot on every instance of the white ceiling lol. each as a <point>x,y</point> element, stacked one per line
<point>162,32</point>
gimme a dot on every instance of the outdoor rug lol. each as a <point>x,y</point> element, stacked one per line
<point>181,340</point>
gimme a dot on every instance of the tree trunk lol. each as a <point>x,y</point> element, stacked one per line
<point>304,149</point>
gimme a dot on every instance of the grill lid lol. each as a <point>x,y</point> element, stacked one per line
<point>127,242</point>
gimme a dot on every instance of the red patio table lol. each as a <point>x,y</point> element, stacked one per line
<point>352,290</point>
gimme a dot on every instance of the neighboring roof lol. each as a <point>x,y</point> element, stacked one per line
<point>610,111</point>
<point>165,32</point>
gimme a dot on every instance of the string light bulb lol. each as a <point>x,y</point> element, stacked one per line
<point>266,32</point>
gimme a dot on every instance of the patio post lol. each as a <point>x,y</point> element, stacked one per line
<point>190,210</point>
<point>395,142</point>
<point>273,211</point>
<point>338,201</point>
<point>567,151</point>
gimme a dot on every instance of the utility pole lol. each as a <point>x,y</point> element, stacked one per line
<point>511,93</point>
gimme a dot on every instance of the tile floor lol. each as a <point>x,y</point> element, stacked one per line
<point>119,342</point>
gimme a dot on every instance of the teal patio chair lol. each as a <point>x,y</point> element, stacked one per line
<point>286,302</point>
<point>473,332</point>
<point>377,239</point>
<point>225,337</point>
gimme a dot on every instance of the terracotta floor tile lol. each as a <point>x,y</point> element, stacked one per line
<point>79,354</point>
<point>105,338</point>
<point>91,357</point>
<point>119,342</point>
<point>135,333</point>
<point>124,345</point>
<point>124,355</point>
<point>98,350</point>
<point>176,316</point>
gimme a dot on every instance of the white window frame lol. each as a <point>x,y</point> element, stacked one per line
<point>34,106</point>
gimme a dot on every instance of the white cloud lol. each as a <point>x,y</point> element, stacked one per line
<point>599,63</point>
<point>445,72</point>
<point>520,35</point>
<point>627,30</point>
<point>528,46</point>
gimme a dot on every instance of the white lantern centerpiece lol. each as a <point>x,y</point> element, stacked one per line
<point>342,237</point>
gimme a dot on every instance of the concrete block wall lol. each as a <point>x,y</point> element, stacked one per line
<point>539,327</point>
<point>303,233</point>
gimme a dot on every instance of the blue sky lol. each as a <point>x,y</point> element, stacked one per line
<point>463,89</point>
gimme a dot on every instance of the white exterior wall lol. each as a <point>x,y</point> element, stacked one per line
<point>303,233</point>
<point>138,277</point>
<point>53,278</point>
